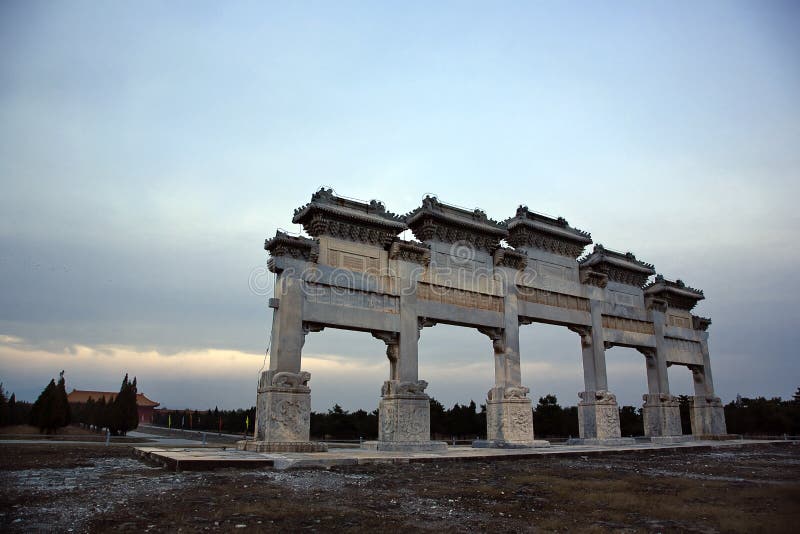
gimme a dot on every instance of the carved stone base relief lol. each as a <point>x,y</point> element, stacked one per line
<point>404,419</point>
<point>707,416</point>
<point>509,420</point>
<point>662,416</point>
<point>283,411</point>
<point>598,415</point>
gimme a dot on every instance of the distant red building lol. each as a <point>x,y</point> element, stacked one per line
<point>144,405</point>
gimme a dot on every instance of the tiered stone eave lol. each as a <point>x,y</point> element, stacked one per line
<point>676,294</point>
<point>351,220</point>
<point>614,266</point>
<point>436,220</point>
<point>531,229</point>
<point>297,247</point>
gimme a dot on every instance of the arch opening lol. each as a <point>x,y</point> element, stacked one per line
<point>552,368</point>
<point>627,379</point>
<point>681,385</point>
<point>457,363</point>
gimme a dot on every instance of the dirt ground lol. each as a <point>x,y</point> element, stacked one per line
<point>91,488</point>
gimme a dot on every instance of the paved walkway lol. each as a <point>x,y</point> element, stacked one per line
<point>212,458</point>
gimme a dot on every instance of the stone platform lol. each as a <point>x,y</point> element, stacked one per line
<point>203,458</point>
<point>208,458</point>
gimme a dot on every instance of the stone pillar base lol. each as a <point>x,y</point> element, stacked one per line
<point>662,415</point>
<point>404,419</point>
<point>509,419</point>
<point>708,416</point>
<point>283,414</point>
<point>598,416</point>
<point>285,446</point>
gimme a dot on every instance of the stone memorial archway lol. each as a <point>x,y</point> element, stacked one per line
<point>356,273</point>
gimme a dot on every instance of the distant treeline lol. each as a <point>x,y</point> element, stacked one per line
<point>761,416</point>
<point>12,411</point>
<point>216,420</point>
<point>757,416</point>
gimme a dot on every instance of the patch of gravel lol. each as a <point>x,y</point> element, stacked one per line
<point>74,495</point>
<point>315,480</point>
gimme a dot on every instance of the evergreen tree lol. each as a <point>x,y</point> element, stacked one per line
<point>40,413</point>
<point>4,410</point>
<point>124,413</point>
<point>13,416</point>
<point>547,417</point>
<point>61,414</point>
<point>630,421</point>
<point>100,414</point>
<point>438,420</point>
<point>89,409</point>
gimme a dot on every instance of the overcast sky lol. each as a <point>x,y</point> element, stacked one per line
<point>147,149</point>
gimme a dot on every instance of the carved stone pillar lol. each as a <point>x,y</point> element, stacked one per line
<point>598,419</point>
<point>404,411</point>
<point>707,416</point>
<point>707,413</point>
<point>509,417</point>
<point>404,422</point>
<point>283,414</point>
<point>660,412</point>
<point>283,407</point>
<point>598,414</point>
<point>662,417</point>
